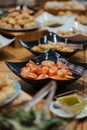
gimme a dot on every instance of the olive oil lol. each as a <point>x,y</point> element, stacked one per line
<point>72,103</point>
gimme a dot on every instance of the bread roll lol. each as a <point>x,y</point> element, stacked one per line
<point>20,22</point>
<point>4,24</point>
<point>8,91</point>
<point>2,97</point>
<point>17,26</point>
<point>25,15</point>
<point>9,26</point>
<point>11,21</point>
<point>14,14</point>
<point>3,82</point>
<point>11,83</point>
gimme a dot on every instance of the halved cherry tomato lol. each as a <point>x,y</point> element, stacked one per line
<point>24,70</point>
<point>45,70</point>
<point>39,70</point>
<point>42,76</point>
<point>60,64</point>
<point>61,73</point>
<point>48,63</point>
<point>69,76</point>
<point>56,77</point>
<point>52,71</point>
<point>31,63</point>
<point>31,75</point>
<point>33,69</point>
<point>69,73</point>
<point>67,68</point>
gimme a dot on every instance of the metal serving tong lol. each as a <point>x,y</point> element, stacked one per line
<point>74,45</point>
<point>49,90</point>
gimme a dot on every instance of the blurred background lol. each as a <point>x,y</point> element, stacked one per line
<point>14,2</point>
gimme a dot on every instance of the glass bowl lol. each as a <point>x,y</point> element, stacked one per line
<point>72,102</point>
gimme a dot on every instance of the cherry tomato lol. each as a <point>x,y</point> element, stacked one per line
<point>31,75</point>
<point>33,69</point>
<point>56,77</point>
<point>39,70</point>
<point>61,73</point>
<point>52,71</point>
<point>31,63</point>
<point>42,76</point>
<point>48,63</point>
<point>44,70</point>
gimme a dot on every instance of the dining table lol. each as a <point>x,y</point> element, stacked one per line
<point>15,52</point>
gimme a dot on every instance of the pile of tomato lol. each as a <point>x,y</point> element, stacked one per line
<point>47,69</point>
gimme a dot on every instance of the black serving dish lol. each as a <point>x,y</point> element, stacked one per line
<point>53,38</point>
<point>51,55</point>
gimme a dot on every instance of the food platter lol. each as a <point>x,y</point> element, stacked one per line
<point>51,55</point>
<point>17,89</point>
<point>55,40</point>
<point>39,25</point>
<point>52,39</point>
<point>18,21</point>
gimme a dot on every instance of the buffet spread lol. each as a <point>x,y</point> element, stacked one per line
<point>43,53</point>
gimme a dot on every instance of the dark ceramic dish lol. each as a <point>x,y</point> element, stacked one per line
<point>52,56</point>
<point>53,38</point>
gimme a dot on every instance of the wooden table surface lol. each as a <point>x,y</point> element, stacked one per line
<point>19,53</point>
